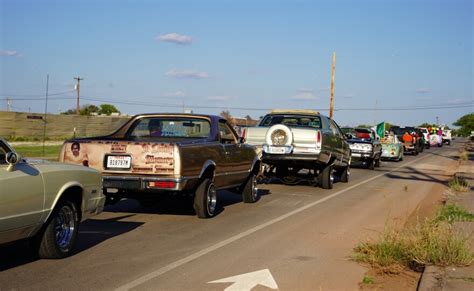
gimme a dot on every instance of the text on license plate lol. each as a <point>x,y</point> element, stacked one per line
<point>276,150</point>
<point>119,162</point>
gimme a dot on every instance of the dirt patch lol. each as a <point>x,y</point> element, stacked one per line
<point>405,280</point>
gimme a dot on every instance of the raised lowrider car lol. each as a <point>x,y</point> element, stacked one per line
<point>45,201</point>
<point>155,154</point>
<point>392,148</point>
<point>300,145</point>
<point>364,148</point>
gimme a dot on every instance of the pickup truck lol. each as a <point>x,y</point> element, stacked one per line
<point>364,148</point>
<point>300,145</point>
<point>155,154</point>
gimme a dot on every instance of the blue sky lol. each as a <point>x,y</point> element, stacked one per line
<point>243,56</point>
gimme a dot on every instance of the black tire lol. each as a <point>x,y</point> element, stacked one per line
<point>377,163</point>
<point>205,199</point>
<point>449,142</point>
<point>415,152</point>
<point>326,178</point>
<point>281,171</point>
<point>344,174</point>
<point>249,190</point>
<point>371,164</point>
<point>59,237</point>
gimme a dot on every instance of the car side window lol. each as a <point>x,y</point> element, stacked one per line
<point>333,128</point>
<point>226,134</point>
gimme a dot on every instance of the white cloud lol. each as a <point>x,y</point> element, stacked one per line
<point>187,74</point>
<point>423,90</point>
<point>219,98</point>
<point>305,94</point>
<point>175,38</point>
<point>306,90</point>
<point>176,94</point>
<point>7,53</point>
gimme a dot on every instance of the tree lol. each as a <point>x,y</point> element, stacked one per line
<point>108,109</point>
<point>466,123</point>
<point>226,114</point>
<point>388,125</point>
<point>88,109</point>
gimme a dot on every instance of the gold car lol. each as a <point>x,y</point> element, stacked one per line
<point>45,201</point>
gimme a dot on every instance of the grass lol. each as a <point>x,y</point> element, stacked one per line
<point>453,213</point>
<point>433,242</point>
<point>459,184</point>
<point>368,280</point>
<point>51,152</point>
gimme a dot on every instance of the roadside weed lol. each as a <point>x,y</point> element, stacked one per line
<point>368,280</point>
<point>453,213</point>
<point>459,184</point>
<point>433,242</point>
<point>464,156</point>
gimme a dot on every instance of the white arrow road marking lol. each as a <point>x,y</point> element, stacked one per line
<point>249,280</point>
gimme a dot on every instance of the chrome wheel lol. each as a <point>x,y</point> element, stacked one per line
<point>64,226</point>
<point>254,188</point>
<point>211,199</point>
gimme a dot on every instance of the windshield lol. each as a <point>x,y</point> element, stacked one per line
<point>171,127</point>
<point>292,121</point>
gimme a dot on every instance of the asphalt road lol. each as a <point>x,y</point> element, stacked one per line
<point>294,238</point>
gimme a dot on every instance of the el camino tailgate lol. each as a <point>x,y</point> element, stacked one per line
<point>121,157</point>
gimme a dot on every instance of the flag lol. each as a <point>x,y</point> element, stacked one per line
<point>381,129</point>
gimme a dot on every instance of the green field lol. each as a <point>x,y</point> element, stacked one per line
<point>51,152</point>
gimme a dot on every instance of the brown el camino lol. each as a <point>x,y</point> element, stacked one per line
<point>155,154</point>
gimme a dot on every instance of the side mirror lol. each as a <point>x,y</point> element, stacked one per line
<point>348,135</point>
<point>242,139</point>
<point>12,159</point>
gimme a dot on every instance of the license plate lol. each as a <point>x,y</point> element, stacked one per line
<point>119,162</point>
<point>356,154</point>
<point>276,150</point>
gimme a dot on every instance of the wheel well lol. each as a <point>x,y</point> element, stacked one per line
<point>209,172</point>
<point>74,194</point>
<point>256,168</point>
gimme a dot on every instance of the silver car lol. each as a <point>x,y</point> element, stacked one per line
<point>45,201</point>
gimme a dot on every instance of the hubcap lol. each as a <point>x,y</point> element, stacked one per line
<point>211,199</point>
<point>64,225</point>
<point>254,187</point>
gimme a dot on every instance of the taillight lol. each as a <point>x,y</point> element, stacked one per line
<point>244,134</point>
<point>162,184</point>
<point>318,137</point>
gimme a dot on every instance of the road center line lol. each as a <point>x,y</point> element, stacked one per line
<point>236,237</point>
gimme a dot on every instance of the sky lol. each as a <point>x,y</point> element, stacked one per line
<point>401,61</point>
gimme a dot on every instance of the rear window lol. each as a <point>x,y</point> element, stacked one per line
<point>171,127</point>
<point>292,121</point>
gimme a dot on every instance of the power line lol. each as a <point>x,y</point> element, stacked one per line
<point>36,95</point>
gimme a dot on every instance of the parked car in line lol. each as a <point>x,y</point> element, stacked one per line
<point>426,136</point>
<point>392,148</point>
<point>156,154</point>
<point>364,148</point>
<point>45,201</point>
<point>413,144</point>
<point>446,137</point>
<point>301,145</point>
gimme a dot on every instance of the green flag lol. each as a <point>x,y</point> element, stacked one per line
<point>381,129</point>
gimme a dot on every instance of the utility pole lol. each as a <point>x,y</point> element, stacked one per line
<point>331,104</point>
<point>9,104</point>
<point>78,89</point>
